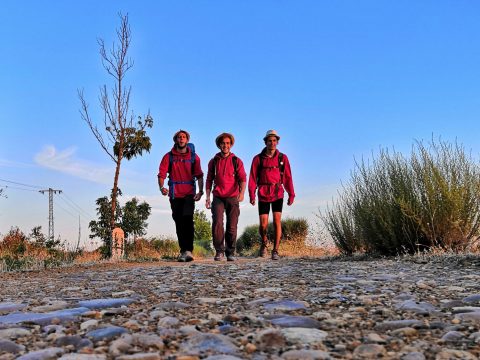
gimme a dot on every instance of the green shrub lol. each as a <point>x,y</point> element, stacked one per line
<point>294,232</point>
<point>398,204</point>
<point>166,247</point>
<point>248,240</point>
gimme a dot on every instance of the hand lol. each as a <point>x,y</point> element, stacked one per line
<point>240,197</point>
<point>208,203</point>
<point>164,191</point>
<point>290,201</point>
<point>198,196</point>
<point>252,201</point>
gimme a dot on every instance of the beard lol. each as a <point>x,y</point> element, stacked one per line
<point>181,147</point>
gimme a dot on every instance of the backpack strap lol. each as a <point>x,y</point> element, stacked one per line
<point>281,166</point>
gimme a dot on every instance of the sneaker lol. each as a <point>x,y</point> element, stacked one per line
<point>275,255</point>
<point>182,257</point>
<point>263,251</point>
<point>218,256</point>
<point>188,256</point>
<point>231,258</point>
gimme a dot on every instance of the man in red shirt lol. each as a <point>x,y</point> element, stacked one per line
<point>227,173</point>
<point>183,168</point>
<point>270,173</point>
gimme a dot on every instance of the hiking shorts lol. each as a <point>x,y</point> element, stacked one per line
<point>264,207</point>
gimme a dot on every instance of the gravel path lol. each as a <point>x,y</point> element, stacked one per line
<point>250,309</point>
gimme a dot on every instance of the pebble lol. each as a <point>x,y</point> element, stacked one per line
<point>306,355</point>
<point>309,309</point>
<point>10,347</point>
<point>45,354</point>
<point>106,333</point>
<point>369,351</point>
<point>304,335</point>
<point>200,343</point>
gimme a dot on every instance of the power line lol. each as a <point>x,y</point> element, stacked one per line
<point>67,211</point>
<point>66,197</point>
<point>17,183</point>
<point>17,188</point>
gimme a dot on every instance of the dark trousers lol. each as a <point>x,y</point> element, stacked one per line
<point>182,214</point>
<point>225,240</point>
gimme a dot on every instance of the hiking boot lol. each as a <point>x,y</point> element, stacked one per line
<point>218,256</point>
<point>188,256</point>
<point>231,258</point>
<point>263,251</point>
<point>275,255</point>
<point>182,257</point>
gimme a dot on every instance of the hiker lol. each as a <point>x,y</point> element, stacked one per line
<point>271,175</point>
<point>183,167</point>
<point>227,174</point>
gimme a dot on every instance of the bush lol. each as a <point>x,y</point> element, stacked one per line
<point>398,204</point>
<point>294,233</point>
<point>165,247</point>
<point>14,244</point>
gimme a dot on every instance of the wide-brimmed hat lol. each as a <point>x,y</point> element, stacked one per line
<point>181,131</point>
<point>220,137</point>
<point>271,133</point>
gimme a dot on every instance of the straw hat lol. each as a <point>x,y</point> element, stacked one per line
<point>220,137</point>
<point>271,133</point>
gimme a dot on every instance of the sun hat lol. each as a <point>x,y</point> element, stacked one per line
<point>181,131</point>
<point>221,136</point>
<point>271,133</point>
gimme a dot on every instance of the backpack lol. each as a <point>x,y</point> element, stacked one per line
<point>280,166</point>
<point>171,183</point>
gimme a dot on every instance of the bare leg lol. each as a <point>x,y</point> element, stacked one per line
<point>277,225</point>
<point>262,229</point>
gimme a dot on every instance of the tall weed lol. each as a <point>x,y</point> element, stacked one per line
<point>397,204</point>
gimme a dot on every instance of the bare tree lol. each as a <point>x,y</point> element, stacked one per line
<point>121,136</point>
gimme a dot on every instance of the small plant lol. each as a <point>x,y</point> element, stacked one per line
<point>294,234</point>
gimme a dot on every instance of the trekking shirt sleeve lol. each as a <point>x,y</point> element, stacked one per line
<point>163,167</point>
<point>197,168</point>
<point>210,175</point>
<point>287,179</point>
<point>252,178</point>
<point>241,174</point>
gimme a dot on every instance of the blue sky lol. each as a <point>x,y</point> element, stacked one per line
<point>337,80</point>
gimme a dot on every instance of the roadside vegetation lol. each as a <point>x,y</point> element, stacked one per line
<point>395,204</point>
<point>295,239</point>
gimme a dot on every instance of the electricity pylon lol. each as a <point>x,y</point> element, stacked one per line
<point>51,191</point>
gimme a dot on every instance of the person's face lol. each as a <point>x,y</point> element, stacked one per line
<point>182,140</point>
<point>225,145</point>
<point>271,143</point>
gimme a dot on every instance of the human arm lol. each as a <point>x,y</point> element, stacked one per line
<point>209,182</point>
<point>163,190</point>
<point>288,181</point>
<point>198,174</point>
<point>162,174</point>
<point>252,179</point>
<point>199,194</point>
<point>241,193</point>
<point>241,180</point>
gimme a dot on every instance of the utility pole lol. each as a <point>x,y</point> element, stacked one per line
<point>51,191</point>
